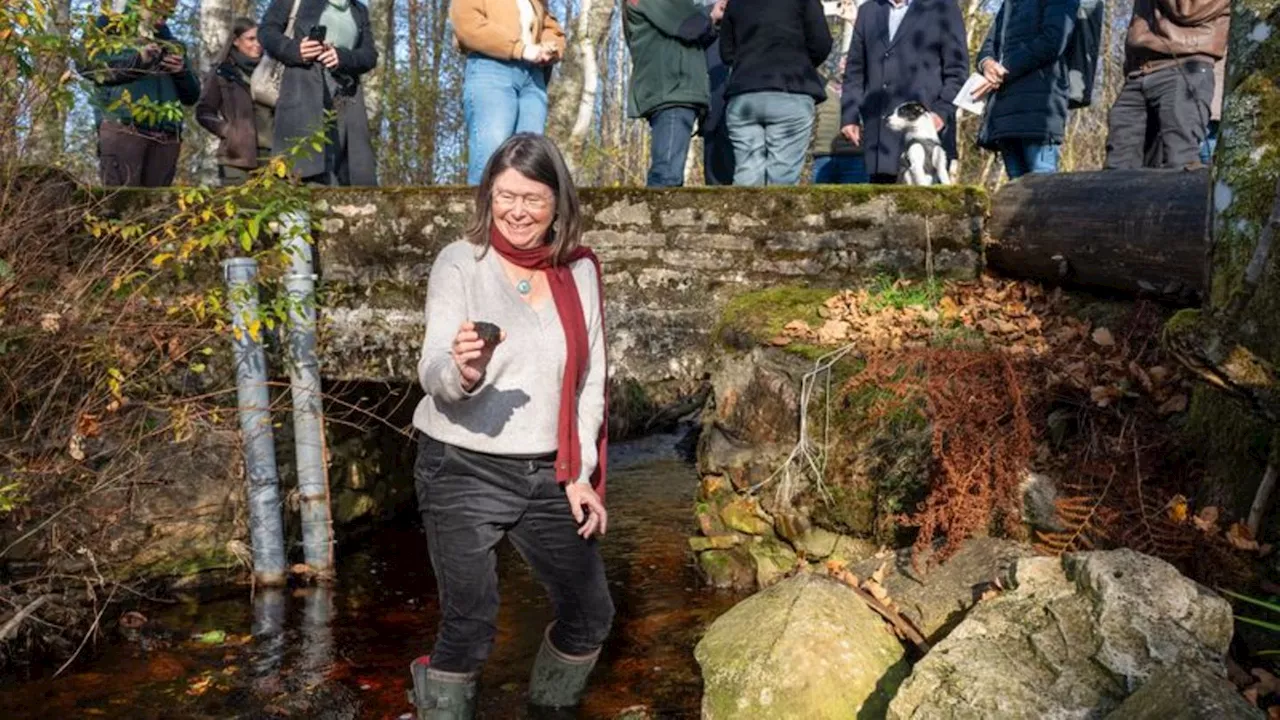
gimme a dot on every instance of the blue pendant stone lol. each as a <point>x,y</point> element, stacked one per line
<point>524,287</point>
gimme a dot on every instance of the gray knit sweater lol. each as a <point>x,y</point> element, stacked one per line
<point>515,407</point>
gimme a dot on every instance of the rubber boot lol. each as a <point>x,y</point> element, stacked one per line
<point>440,695</point>
<point>558,680</point>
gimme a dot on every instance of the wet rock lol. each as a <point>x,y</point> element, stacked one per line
<point>773,560</point>
<point>806,648</point>
<point>744,515</point>
<point>935,598</point>
<point>1072,639</point>
<point>352,505</point>
<point>728,569</point>
<point>1192,694</point>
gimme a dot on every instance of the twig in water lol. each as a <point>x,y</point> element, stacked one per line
<point>93,629</point>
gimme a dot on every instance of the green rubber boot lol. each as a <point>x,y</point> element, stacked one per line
<point>440,695</point>
<point>558,680</point>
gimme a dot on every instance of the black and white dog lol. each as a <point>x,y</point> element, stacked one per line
<point>923,161</point>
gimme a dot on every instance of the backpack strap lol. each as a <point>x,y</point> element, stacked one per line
<point>293,17</point>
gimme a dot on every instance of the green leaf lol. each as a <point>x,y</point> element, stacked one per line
<point>246,242</point>
<point>213,637</point>
<point>1273,607</point>
<point>196,367</point>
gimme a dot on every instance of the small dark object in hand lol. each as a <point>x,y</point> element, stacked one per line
<point>318,33</point>
<point>488,332</point>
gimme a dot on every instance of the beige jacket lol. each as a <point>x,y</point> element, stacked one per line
<point>492,27</point>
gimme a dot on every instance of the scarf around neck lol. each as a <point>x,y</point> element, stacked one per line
<point>577,359</point>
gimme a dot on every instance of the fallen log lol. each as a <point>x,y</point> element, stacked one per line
<point>1140,232</point>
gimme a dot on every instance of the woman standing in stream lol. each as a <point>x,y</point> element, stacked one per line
<point>513,430</point>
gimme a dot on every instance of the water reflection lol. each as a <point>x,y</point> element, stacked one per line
<point>316,657</point>
<point>268,639</point>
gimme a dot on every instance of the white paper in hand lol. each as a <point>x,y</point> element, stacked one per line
<point>965,99</point>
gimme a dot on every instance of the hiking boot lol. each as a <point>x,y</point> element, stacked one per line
<point>440,695</point>
<point>558,679</point>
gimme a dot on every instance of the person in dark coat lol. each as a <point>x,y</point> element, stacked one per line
<point>774,48</point>
<point>320,77</point>
<point>913,50</point>
<point>227,109</point>
<point>717,148</point>
<point>1026,73</point>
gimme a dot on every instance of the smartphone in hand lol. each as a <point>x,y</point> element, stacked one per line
<point>318,33</point>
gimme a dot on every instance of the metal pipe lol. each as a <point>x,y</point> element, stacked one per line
<point>266,526</point>
<point>308,412</point>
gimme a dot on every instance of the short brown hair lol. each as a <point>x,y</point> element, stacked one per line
<point>537,158</point>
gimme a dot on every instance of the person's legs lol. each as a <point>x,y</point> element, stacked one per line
<point>467,501</point>
<point>746,132</point>
<point>717,156</point>
<point>490,107</point>
<point>883,179</point>
<point>161,163</point>
<point>1042,158</point>
<point>122,154</point>
<point>1127,127</point>
<point>851,169</point>
<point>670,130</point>
<point>1182,95</point>
<point>825,170</point>
<point>787,132</point>
<point>532,113</point>
<point>1015,162</point>
<point>572,571</point>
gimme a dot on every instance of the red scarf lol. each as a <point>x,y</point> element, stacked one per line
<point>564,291</point>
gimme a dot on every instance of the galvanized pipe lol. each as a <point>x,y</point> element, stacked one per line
<point>308,412</point>
<point>266,526</point>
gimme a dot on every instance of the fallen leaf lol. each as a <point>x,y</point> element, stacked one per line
<point>51,322</point>
<point>213,637</point>
<point>1175,404</point>
<point>1240,537</point>
<point>948,307</point>
<point>779,340</point>
<point>1178,510</point>
<point>833,331</point>
<point>1207,519</point>
<point>797,327</point>
<point>1141,376</point>
<point>1103,337</point>
<point>876,590</point>
<point>75,448</point>
<point>1104,395</point>
<point>88,426</point>
<point>200,686</point>
<point>878,576</point>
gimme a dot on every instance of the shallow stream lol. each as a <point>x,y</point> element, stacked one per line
<point>256,655</point>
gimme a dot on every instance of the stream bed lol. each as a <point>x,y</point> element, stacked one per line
<point>233,654</point>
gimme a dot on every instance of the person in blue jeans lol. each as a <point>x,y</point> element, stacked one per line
<point>669,83</point>
<point>1026,83</point>
<point>510,47</point>
<point>774,48</point>
<point>836,161</point>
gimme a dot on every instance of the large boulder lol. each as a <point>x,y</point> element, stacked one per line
<point>1072,639</point>
<point>1186,694</point>
<point>805,649</point>
<point>936,597</point>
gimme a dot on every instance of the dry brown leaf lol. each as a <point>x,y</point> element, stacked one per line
<point>797,327</point>
<point>1104,395</point>
<point>1103,337</point>
<point>1175,404</point>
<point>88,425</point>
<point>1159,374</point>
<point>948,307</point>
<point>876,590</point>
<point>1207,519</point>
<point>833,331</point>
<point>878,576</point>
<point>779,340</point>
<point>1267,683</point>
<point>1240,537</point>
<point>1141,376</point>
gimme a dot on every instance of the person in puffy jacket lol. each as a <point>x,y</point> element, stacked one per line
<point>1026,83</point>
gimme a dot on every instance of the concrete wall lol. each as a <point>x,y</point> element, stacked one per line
<point>672,259</point>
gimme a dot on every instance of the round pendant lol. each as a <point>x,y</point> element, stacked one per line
<point>524,287</point>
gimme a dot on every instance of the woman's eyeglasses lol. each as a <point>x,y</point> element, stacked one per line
<point>531,202</point>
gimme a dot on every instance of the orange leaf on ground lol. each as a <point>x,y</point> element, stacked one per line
<point>1103,337</point>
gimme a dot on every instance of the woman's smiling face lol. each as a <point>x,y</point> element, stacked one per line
<point>523,209</point>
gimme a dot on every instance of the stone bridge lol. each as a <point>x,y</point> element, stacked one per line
<point>672,260</point>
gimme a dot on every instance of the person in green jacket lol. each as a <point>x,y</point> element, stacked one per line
<point>138,94</point>
<point>669,85</point>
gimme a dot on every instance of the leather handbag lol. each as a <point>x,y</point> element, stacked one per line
<point>264,84</point>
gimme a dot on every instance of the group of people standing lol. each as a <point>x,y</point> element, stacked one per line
<point>140,134</point>
<point>748,74</point>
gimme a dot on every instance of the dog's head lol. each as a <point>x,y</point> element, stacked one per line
<point>907,116</point>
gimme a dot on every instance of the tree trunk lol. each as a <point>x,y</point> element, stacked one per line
<point>215,28</point>
<point>48,107</point>
<point>1244,278</point>
<point>1136,231</point>
<point>574,106</point>
<point>382,15</point>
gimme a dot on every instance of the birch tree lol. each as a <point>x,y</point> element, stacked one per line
<point>579,83</point>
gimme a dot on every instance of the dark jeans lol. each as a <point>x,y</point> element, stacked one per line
<point>1161,118</point>
<point>469,501</point>
<point>670,131</point>
<point>839,170</point>
<point>131,157</point>
<point>717,156</point>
